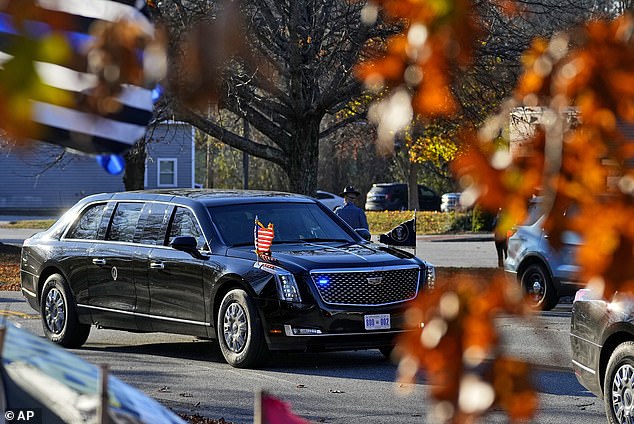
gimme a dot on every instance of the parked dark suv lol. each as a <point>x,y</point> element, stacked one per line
<point>394,197</point>
<point>183,261</point>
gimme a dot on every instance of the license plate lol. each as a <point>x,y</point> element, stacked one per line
<point>377,322</point>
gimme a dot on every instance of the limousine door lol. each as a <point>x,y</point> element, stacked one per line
<point>112,287</point>
<point>176,281</point>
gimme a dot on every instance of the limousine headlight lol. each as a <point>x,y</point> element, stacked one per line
<point>430,276</point>
<point>286,284</point>
<point>287,287</point>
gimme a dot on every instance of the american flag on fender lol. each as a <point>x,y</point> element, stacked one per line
<point>68,124</point>
<point>263,237</point>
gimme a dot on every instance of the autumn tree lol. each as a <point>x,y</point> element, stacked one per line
<point>497,41</point>
<point>293,69</point>
<point>349,157</point>
<point>501,38</point>
<point>589,67</point>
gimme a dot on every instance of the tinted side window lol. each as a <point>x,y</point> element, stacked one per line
<point>86,226</point>
<point>124,222</point>
<point>184,224</point>
<point>425,192</point>
<point>534,212</point>
<point>151,225</point>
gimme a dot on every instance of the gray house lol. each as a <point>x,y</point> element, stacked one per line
<point>45,179</point>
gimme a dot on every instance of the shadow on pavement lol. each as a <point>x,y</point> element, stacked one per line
<point>327,364</point>
<point>560,382</point>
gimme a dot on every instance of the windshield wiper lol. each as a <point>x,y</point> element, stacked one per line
<point>313,240</point>
<point>317,239</point>
<point>306,240</point>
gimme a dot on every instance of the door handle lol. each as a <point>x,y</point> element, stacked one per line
<point>157,265</point>
<point>100,262</point>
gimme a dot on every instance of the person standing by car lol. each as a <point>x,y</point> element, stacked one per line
<point>349,212</point>
<point>499,236</point>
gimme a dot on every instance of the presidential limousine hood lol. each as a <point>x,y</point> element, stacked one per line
<point>298,257</point>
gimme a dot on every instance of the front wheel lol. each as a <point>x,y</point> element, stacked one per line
<point>538,286</point>
<point>240,332</point>
<point>618,386</point>
<point>59,317</point>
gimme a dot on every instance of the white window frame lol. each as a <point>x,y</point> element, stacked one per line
<point>159,162</point>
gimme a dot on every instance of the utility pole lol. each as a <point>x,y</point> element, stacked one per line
<point>209,163</point>
<point>246,133</point>
<point>209,157</point>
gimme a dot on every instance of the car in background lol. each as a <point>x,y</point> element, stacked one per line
<point>602,342</point>
<point>183,262</point>
<point>450,202</point>
<point>43,383</point>
<point>545,274</point>
<point>332,201</point>
<point>394,197</point>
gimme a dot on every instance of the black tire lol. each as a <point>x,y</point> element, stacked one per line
<point>618,385</point>
<point>240,334</point>
<point>538,287</point>
<point>59,315</point>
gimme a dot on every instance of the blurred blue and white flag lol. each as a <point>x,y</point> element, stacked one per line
<point>59,111</point>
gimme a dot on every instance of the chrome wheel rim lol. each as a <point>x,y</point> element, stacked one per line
<point>535,287</point>
<point>623,394</point>
<point>55,311</point>
<point>235,327</point>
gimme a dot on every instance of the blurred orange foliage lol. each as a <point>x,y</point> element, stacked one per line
<point>458,347</point>
<point>584,170</point>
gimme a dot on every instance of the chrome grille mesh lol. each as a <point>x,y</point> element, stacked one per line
<point>367,286</point>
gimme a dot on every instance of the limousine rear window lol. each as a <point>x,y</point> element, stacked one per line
<point>86,227</point>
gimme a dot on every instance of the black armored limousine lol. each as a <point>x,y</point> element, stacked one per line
<point>184,261</point>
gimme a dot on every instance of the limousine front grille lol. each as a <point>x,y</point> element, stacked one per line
<point>376,286</point>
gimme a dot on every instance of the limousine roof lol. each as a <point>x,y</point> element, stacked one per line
<point>208,197</point>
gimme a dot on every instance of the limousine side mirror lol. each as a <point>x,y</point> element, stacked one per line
<point>185,243</point>
<point>365,234</point>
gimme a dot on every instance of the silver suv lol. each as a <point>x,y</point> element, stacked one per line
<point>545,274</point>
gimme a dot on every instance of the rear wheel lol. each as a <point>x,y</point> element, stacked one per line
<point>59,316</point>
<point>618,386</point>
<point>538,287</point>
<point>240,332</point>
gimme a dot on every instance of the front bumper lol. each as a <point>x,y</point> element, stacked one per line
<point>286,326</point>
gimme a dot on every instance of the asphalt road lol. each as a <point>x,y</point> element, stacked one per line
<point>190,376</point>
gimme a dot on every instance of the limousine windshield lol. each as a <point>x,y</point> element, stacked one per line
<point>292,222</point>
